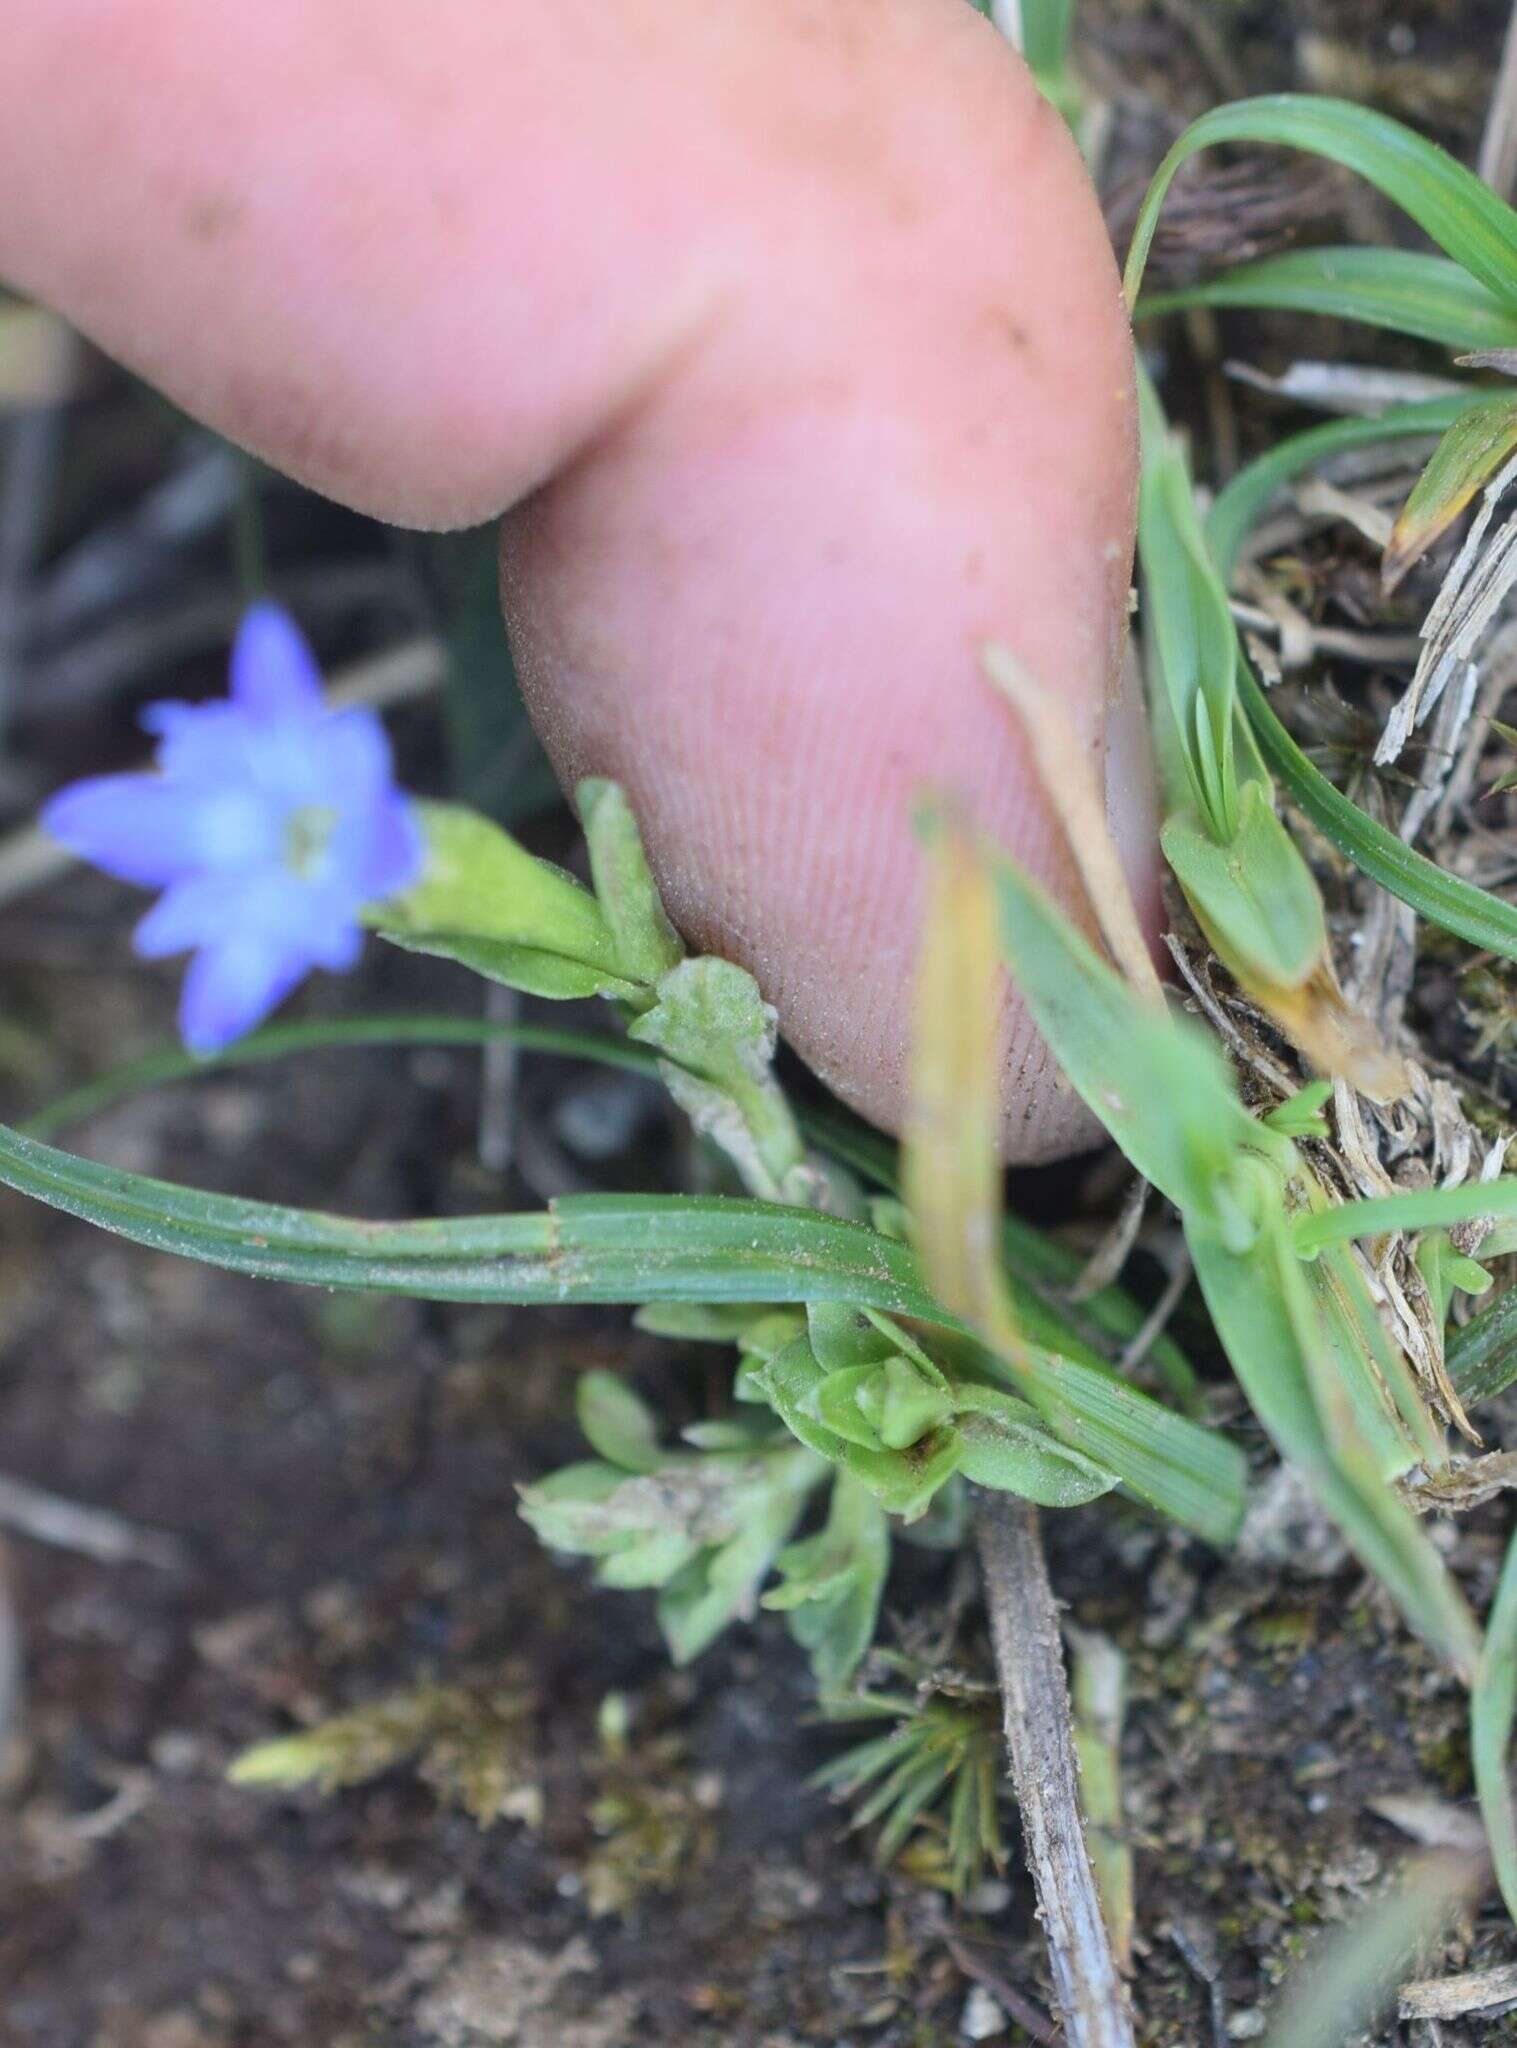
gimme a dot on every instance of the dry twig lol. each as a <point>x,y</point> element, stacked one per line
<point>1024,1632</point>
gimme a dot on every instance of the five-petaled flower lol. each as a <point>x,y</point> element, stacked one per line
<point>270,823</point>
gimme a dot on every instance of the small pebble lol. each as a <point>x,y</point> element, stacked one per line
<point>983,2019</point>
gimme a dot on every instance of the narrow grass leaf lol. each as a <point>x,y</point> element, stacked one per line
<point>1250,1297</point>
<point>1419,1209</point>
<point>631,1248</point>
<point>1449,203</point>
<point>623,1249</point>
<point>1354,1975</point>
<point>1158,1084</point>
<point>1493,1708</point>
<point>1406,290</point>
<point>1238,507</point>
<point>1443,899</point>
<point>281,1041</point>
<point>1040,1267</point>
<point>1482,1356</point>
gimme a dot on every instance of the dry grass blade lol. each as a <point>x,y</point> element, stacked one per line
<point>39,359</point>
<point>1100,1702</point>
<point>1472,594</point>
<point>1486,1993</point>
<point>1069,784</point>
<point>952,1171</point>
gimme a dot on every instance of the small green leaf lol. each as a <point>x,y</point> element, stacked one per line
<point>528,968</point>
<point>718,1036</point>
<point>833,1583</point>
<point>1417,1209</point>
<point>478,887</point>
<point>1006,1448</point>
<point>1157,1083</point>
<point>842,1337</point>
<point>1300,1115</point>
<point>904,1482</point>
<point>619,1426</point>
<point>1255,897</point>
<point>902,1405</point>
<point>834,1402</point>
<point>697,1322</point>
<point>647,944</point>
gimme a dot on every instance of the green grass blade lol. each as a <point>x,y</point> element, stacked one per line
<point>1406,290</point>
<point>1420,1209</point>
<point>618,1249</point>
<point>1493,1707</point>
<point>1157,1083</point>
<point>1443,899</point>
<point>1262,1337</point>
<point>584,1249</point>
<point>1238,508</point>
<point>1336,1997</point>
<point>280,1041</point>
<point>1195,1476</point>
<point>1482,1357</point>
<point>1039,1266</point>
<point>1449,203</point>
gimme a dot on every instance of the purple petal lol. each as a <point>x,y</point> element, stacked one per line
<point>336,945</point>
<point>200,742</point>
<point>379,853</point>
<point>274,673</point>
<point>197,912</point>
<point>233,985</point>
<point>352,756</point>
<point>136,827</point>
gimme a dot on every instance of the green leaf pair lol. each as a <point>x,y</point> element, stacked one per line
<point>1242,873</point>
<point>861,1392</point>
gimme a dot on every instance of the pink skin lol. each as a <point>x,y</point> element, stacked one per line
<point>787,337</point>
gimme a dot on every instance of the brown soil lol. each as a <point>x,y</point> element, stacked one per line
<point>338,1472</point>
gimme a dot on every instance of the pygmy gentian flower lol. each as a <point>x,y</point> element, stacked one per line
<point>269,825</point>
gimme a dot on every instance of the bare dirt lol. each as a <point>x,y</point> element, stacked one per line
<point>337,1475</point>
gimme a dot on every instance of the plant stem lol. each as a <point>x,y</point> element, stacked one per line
<point>1024,1632</point>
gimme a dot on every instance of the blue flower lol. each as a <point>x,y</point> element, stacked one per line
<point>269,825</point>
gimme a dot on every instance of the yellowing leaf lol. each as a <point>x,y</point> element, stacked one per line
<point>951,1161</point>
<point>1470,454</point>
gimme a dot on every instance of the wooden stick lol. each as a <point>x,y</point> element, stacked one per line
<point>1024,1632</point>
